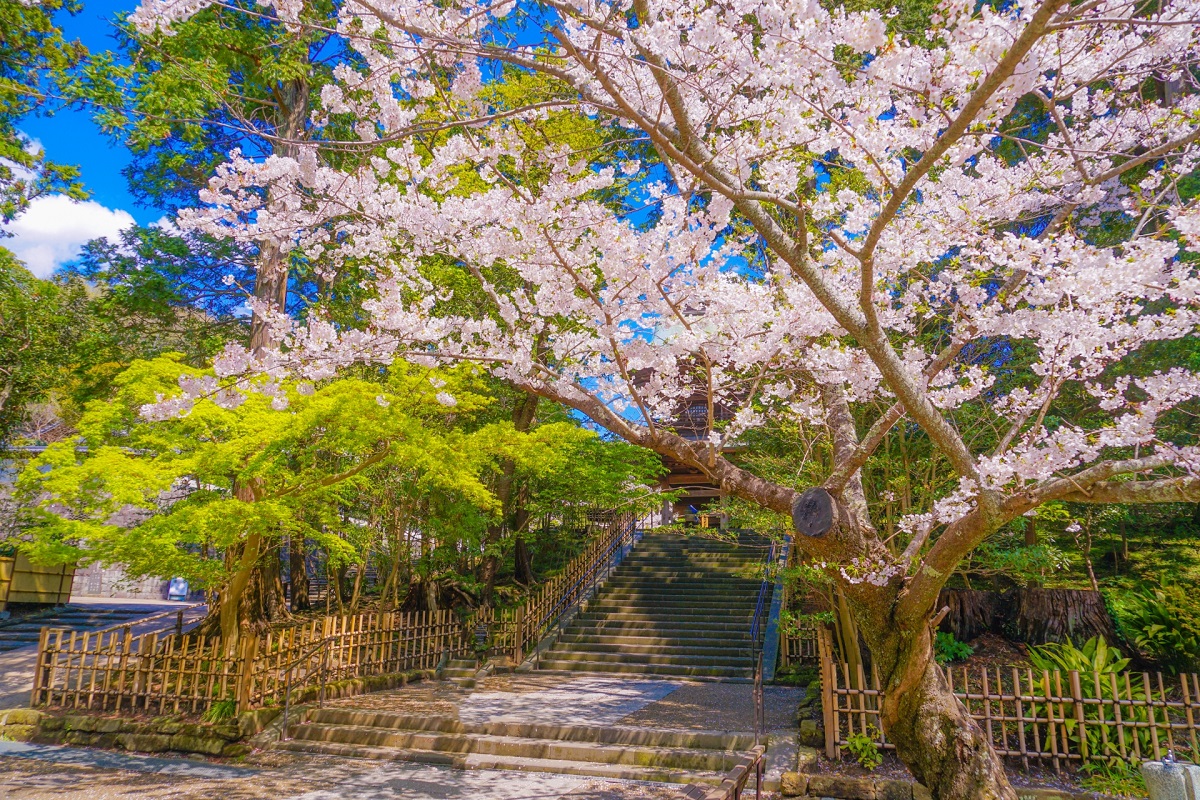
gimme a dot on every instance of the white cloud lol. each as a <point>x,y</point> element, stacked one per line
<point>54,228</point>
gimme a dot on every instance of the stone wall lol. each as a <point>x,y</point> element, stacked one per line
<point>157,735</point>
<point>179,734</point>
<point>95,580</point>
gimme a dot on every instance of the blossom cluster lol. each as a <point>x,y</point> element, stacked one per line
<point>753,281</point>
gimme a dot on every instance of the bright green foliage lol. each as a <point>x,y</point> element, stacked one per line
<point>862,745</point>
<point>169,497</point>
<point>1094,657</point>
<point>1100,669</point>
<point>947,649</point>
<point>1163,623</point>
<point>1115,778</point>
<point>182,472</point>
<point>35,59</point>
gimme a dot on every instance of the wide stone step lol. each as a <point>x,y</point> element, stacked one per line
<point>473,761</point>
<point>671,584</point>
<point>687,571</point>
<point>690,660</point>
<point>646,638</point>
<point>681,605</point>
<point>519,747</point>
<point>674,596</point>
<point>678,648</point>
<point>672,629</point>
<point>665,670</point>
<point>608,734</point>
<point>701,619</point>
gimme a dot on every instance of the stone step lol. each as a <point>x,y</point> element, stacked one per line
<point>472,761</point>
<point>653,639</point>
<point>647,737</point>
<point>734,659</point>
<point>672,670</point>
<point>519,747</point>
<point>671,627</point>
<point>683,607</point>
<point>678,648</point>
<point>699,620</point>
<point>687,571</point>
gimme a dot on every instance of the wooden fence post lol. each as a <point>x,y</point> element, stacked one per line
<point>245,675</point>
<point>1077,696</point>
<point>828,675</point>
<point>41,668</point>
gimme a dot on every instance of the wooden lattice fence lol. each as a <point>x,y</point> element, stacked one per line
<point>1031,716</point>
<point>169,673</point>
<point>115,671</point>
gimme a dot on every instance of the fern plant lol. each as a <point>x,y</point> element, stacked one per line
<point>1163,623</point>
<point>947,649</point>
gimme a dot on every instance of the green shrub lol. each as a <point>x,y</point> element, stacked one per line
<point>947,649</point>
<point>1094,657</point>
<point>864,749</point>
<point>1163,623</point>
<point>220,711</point>
<point>1095,662</point>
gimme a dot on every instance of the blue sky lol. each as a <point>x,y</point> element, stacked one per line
<point>52,231</point>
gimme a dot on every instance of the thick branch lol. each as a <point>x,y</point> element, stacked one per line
<point>1163,490</point>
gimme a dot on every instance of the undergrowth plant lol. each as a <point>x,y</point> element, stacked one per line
<point>1100,669</point>
<point>863,747</point>
<point>220,711</point>
<point>1116,777</point>
<point>1163,623</point>
<point>947,649</point>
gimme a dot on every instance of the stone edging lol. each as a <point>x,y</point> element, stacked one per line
<point>797,784</point>
<point>227,739</point>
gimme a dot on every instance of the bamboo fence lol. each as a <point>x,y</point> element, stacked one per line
<point>517,631</point>
<point>799,644</point>
<point>1035,716</point>
<point>157,673</point>
<point>115,671</point>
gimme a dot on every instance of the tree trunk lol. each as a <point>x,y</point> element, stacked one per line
<point>523,562</point>
<point>356,595</point>
<point>487,576</point>
<point>228,609</point>
<point>298,567</point>
<point>935,737</point>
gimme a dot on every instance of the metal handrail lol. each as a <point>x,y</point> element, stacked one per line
<point>756,623</point>
<point>287,698</point>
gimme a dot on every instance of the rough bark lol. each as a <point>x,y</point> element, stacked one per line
<point>259,597</point>
<point>522,562</point>
<point>934,735</point>
<point>298,570</point>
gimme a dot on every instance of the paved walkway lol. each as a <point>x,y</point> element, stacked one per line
<point>38,772</point>
<point>593,700</point>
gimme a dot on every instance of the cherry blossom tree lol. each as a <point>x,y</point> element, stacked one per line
<point>828,214</point>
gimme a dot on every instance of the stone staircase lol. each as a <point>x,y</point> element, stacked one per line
<point>629,753</point>
<point>24,632</point>
<point>677,606</point>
